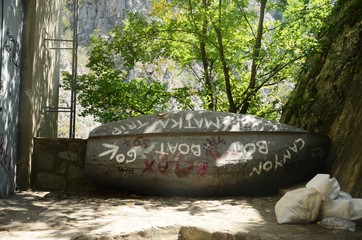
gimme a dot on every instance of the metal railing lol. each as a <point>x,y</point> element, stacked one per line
<point>73,98</point>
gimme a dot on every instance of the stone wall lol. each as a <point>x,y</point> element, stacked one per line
<point>58,164</point>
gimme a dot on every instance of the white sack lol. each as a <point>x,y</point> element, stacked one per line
<point>328,188</point>
<point>298,206</point>
<point>357,208</point>
<point>340,208</point>
<point>344,195</point>
<point>344,206</point>
<point>322,196</point>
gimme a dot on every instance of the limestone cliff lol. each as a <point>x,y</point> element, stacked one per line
<point>104,15</point>
<point>328,97</point>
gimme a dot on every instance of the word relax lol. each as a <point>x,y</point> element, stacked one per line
<point>164,166</point>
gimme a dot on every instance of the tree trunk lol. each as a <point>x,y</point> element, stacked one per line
<point>205,62</point>
<point>225,67</point>
<point>256,53</point>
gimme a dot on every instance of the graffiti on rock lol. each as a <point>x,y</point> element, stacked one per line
<point>201,155</point>
<point>166,155</point>
<point>124,129</point>
<point>242,152</point>
<point>13,48</point>
<point>129,157</point>
<point>281,160</point>
<point>126,170</point>
<point>212,147</point>
<point>185,122</point>
<point>176,166</point>
<point>6,155</point>
<point>172,148</point>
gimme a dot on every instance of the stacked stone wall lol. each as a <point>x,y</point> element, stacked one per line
<point>58,164</point>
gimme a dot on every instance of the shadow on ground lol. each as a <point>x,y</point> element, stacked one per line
<point>59,215</point>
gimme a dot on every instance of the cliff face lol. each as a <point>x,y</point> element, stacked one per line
<point>328,97</point>
<point>104,15</point>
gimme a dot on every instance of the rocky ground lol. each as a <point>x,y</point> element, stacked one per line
<point>59,215</point>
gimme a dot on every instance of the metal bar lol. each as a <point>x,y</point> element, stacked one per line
<point>73,99</point>
<point>58,40</point>
<point>57,109</point>
<point>61,48</point>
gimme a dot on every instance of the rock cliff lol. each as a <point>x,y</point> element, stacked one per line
<point>103,15</point>
<point>328,96</point>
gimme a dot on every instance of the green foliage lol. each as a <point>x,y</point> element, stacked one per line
<point>65,23</point>
<point>119,99</point>
<point>213,40</point>
<point>108,97</point>
<point>106,93</point>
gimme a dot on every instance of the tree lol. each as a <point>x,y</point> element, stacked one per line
<point>106,93</point>
<point>239,51</point>
<point>256,54</point>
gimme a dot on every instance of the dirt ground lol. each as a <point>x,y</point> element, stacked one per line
<point>59,215</point>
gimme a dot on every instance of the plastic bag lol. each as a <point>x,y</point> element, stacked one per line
<point>302,205</point>
<point>340,208</point>
<point>344,206</point>
<point>328,188</point>
<point>357,208</point>
<point>298,206</point>
<point>321,195</point>
<point>344,195</point>
<point>338,223</point>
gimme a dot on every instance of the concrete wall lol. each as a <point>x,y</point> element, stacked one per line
<point>40,80</point>
<point>58,164</point>
<point>29,82</point>
<point>11,21</point>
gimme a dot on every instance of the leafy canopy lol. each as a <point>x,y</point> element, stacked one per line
<point>227,55</point>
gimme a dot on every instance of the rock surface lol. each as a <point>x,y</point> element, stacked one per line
<point>60,215</point>
<point>328,99</point>
<point>104,15</point>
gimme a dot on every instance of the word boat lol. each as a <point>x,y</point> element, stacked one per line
<point>202,153</point>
